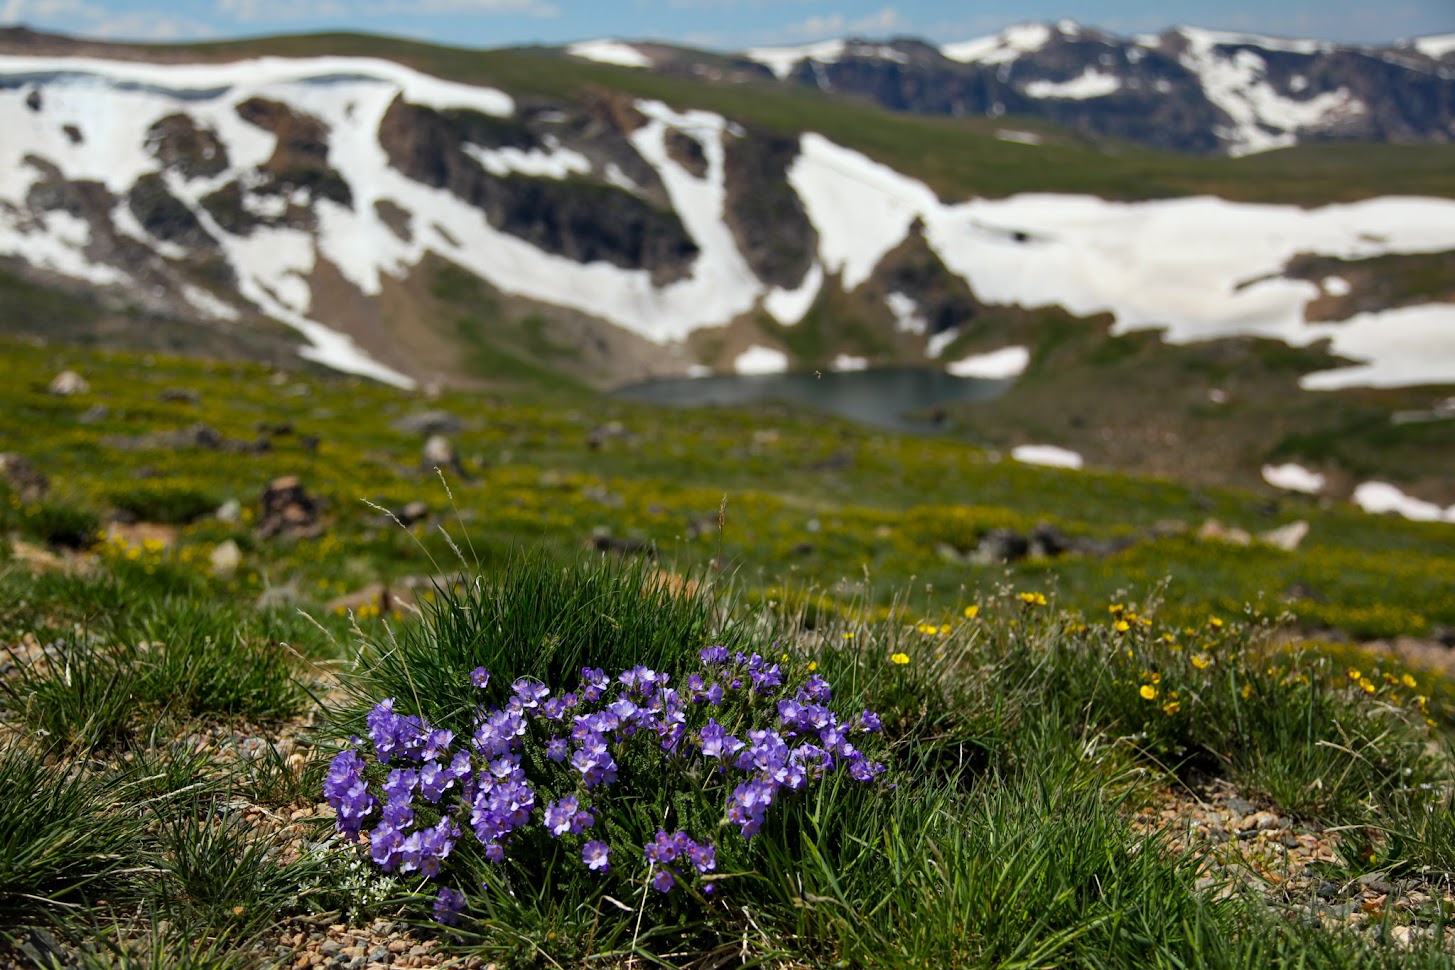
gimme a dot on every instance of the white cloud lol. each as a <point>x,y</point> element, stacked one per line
<point>529,8</point>
<point>148,25</point>
<point>94,20</point>
<point>252,11</point>
<point>837,25</point>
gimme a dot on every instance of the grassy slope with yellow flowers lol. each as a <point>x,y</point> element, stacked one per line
<point>165,726</point>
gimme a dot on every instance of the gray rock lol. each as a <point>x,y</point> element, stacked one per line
<point>25,480</point>
<point>1000,545</point>
<point>428,423</point>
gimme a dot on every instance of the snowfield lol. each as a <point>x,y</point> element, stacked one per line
<point>1192,268</point>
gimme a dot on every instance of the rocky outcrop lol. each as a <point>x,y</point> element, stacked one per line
<point>764,213</point>
<point>300,156</point>
<point>165,216</point>
<point>913,282</point>
<point>580,219</point>
<point>179,145</point>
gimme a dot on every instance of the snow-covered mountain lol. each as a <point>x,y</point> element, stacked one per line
<point>335,194</point>
<point>1185,90</point>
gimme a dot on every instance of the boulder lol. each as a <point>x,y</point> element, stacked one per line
<point>1214,531</point>
<point>28,483</point>
<point>288,509</point>
<point>225,558</point>
<point>67,383</point>
<point>428,423</point>
<point>440,453</point>
<point>1286,537</point>
<point>1000,545</point>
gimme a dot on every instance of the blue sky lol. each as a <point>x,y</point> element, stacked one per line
<point>715,24</point>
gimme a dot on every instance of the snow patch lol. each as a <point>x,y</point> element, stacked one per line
<point>1293,478</point>
<point>907,317</point>
<point>1436,45</point>
<point>861,208</point>
<point>208,304</point>
<point>845,362</point>
<point>558,163</point>
<point>788,307</point>
<point>936,345</point>
<point>1090,83</point>
<point>1381,497</point>
<point>758,359</point>
<point>1049,455</point>
<point>610,52</point>
<point>1019,137</point>
<point>1236,82</point>
<point>1335,286</point>
<point>1002,48</point>
<point>782,60</point>
<point>1223,38</point>
<point>1002,364</point>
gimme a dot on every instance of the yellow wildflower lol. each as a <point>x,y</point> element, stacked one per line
<point>1148,692</point>
<point>1215,622</point>
<point>1122,626</point>
<point>899,658</point>
<point>1355,675</point>
<point>1408,681</point>
<point>812,666</point>
<point>972,611</point>
<point>1201,661</point>
<point>1033,599</point>
<point>1171,707</point>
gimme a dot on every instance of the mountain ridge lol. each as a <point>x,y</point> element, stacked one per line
<point>416,226</point>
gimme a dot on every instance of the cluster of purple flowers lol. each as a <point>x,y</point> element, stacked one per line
<point>679,848</point>
<point>481,785</point>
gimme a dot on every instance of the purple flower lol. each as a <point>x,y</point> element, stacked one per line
<point>816,689</point>
<point>434,781</point>
<point>390,733</point>
<point>448,906</point>
<point>862,769</point>
<point>869,723</point>
<point>399,812</point>
<point>436,743</point>
<point>663,881</point>
<point>566,816</point>
<point>556,750</point>
<point>716,742</point>
<point>480,677</point>
<point>385,843</point>
<point>593,683</point>
<point>767,678</point>
<point>703,856</point>
<point>529,691</point>
<point>400,783</point>
<point>713,655</point>
<point>595,854</point>
<point>663,848</point>
<point>346,791</point>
